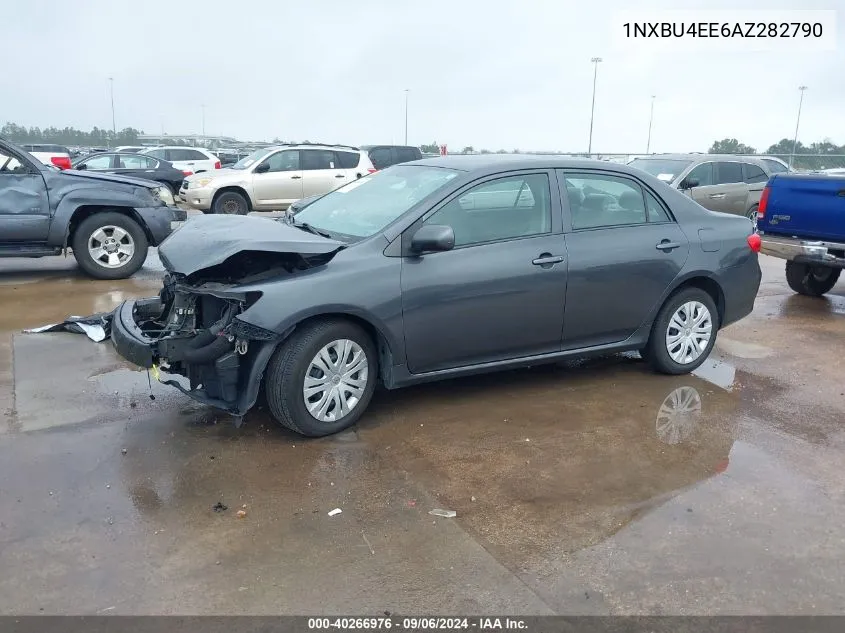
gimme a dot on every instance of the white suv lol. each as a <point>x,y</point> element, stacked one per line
<point>275,177</point>
<point>190,160</point>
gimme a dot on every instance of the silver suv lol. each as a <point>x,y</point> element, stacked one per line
<point>275,177</point>
<point>719,182</point>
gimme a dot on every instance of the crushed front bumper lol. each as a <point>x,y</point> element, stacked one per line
<point>804,251</point>
<point>129,340</point>
<point>228,377</point>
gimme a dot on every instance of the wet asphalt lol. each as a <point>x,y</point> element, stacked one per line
<point>588,488</point>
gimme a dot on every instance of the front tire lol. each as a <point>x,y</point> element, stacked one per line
<point>230,203</point>
<point>812,281</point>
<point>322,378</point>
<point>109,245</point>
<point>683,333</point>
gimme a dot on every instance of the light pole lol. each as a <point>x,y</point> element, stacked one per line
<point>406,115</point>
<point>650,119</point>
<point>203,120</point>
<point>111,92</point>
<point>797,121</point>
<point>595,61</point>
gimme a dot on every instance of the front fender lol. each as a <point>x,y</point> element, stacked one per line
<point>88,197</point>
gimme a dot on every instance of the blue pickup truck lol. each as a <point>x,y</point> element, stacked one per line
<point>801,218</point>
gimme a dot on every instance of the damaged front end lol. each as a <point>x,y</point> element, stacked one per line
<point>217,266</point>
<point>194,332</point>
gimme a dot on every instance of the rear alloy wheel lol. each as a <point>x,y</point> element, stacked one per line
<point>109,245</point>
<point>230,203</point>
<point>684,332</point>
<point>809,280</point>
<point>322,378</point>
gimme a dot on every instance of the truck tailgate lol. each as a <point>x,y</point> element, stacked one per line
<point>811,206</point>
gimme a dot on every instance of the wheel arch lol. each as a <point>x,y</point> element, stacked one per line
<point>83,212</point>
<point>705,282</point>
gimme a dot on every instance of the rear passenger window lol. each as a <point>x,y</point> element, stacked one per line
<point>656,212</point>
<point>753,173</point>
<point>314,159</point>
<point>599,200</point>
<point>407,154</point>
<point>381,157</point>
<point>728,173</point>
<point>348,160</point>
<point>158,153</point>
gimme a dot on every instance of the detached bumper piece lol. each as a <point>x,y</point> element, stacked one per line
<point>821,253</point>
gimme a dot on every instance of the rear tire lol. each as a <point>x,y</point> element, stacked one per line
<point>677,343</point>
<point>809,280</point>
<point>298,360</point>
<point>100,233</point>
<point>230,203</point>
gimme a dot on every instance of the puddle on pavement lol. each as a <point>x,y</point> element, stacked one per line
<point>717,371</point>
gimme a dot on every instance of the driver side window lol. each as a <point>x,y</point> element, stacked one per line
<point>286,160</point>
<point>10,164</point>
<point>502,209</point>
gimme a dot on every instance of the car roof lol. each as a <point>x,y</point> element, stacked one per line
<point>348,148</point>
<point>491,163</point>
<point>700,158</point>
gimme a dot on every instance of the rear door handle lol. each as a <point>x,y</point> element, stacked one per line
<point>340,176</point>
<point>295,177</point>
<point>547,260</point>
<point>716,196</point>
<point>666,245</point>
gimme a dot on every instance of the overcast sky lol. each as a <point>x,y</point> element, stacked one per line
<point>488,73</point>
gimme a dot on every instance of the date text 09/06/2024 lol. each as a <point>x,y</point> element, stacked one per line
<point>417,623</point>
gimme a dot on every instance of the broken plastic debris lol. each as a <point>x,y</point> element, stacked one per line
<point>219,507</point>
<point>472,498</point>
<point>241,514</point>
<point>446,514</point>
<point>335,512</point>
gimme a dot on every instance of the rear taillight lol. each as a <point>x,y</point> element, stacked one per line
<point>62,162</point>
<point>217,165</point>
<point>372,171</point>
<point>754,242</point>
<point>764,202</point>
<point>187,173</point>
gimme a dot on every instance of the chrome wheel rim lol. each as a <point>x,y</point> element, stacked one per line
<point>689,332</point>
<point>678,415</point>
<point>111,246</point>
<point>335,380</point>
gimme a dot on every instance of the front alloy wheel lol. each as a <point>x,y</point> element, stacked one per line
<point>321,379</point>
<point>335,380</point>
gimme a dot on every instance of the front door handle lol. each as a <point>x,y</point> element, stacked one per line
<point>547,259</point>
<point>295,177</point>
<point>666,245</point>
<point>340,176</point>
<point>716,196</point>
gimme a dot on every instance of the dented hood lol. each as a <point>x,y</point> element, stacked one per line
<point>208,240</point>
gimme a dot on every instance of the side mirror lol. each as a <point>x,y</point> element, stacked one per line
<point>433,238</point>
<point>263,168</point>
<point>81,167</point>
<point>689,183</point>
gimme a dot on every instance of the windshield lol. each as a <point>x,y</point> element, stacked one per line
<point>367,205</point>
<point>664,169</point>
<point>248,161</point>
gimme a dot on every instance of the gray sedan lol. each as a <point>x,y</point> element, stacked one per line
<point>435,269</point>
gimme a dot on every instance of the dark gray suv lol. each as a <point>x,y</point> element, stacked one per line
<point>434,269</point>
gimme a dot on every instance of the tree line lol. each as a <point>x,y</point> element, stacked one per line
<point>824,154</point>
<point>97,137</point>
